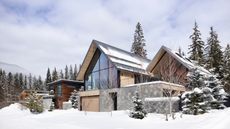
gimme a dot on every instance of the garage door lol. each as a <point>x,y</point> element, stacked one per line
<point>90,103</point>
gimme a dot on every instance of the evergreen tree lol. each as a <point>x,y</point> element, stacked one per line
<point>21,81</point>
<point>40,83</point>
<point>48,79</point>
<point>214,57</point>
<point>10,87</point>
<point>217,91</point>
<point>74,99</point>
<point>66,72</point>
<point>139,42</point>
<point>196,80</point>
<point>194,102</point>
<point>227,68</point>
<point>30,81</point>
<point>196,49</point>
<point>61,75</point>
<point>71,75</point>
<point>25,82</point>
<point>138,112</point>
<point>54,75</point>
<point>75,72</point>
<point>35,83</point>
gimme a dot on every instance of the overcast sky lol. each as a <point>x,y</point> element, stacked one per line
<point>37,34</point>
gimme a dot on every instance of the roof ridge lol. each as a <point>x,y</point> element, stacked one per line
<point>127,52</point>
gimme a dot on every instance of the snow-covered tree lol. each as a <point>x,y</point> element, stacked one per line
<point>138,112</point>
<point>214,55</point>
<point>194,102</point>
<point>196,49</point>
<point>195,79</point>
<point>34,103</point>
<point>227,69</point>
<point>139,42</point>
<point>74,99</point>
<point>218,92</point>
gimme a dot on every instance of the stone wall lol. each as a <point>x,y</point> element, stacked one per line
<point>145,90</point>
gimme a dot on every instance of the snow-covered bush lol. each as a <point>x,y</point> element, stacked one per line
<point>34,103</point>
<point>74,99</point>
<point>194,102</point>
<point>138,111</point>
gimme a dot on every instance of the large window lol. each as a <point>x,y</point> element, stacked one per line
<point>101,73</point>
<point>59,90</point>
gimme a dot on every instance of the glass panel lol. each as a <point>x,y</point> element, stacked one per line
<point>112,76</point>
<point>95,80</point>
<point>96,67</point>
<point>59,90</point>
<point>104,78</point>
<point>88,83</point>
<point>103,62</point>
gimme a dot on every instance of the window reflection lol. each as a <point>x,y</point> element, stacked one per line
<point>101,73</point>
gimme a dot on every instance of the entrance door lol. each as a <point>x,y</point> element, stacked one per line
<point>114,99</point>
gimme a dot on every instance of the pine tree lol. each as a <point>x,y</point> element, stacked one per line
<point>138,112</point>
<point>40,83</point>
<point>48,79</point>
<point>10,87</point>
<point>193,102</point>
<point>35,83</point>
<point>61,75</point>
<point>21,81</point>
<point>75,72</point>
<point>217,91</point>
<point>74,99</point>
<point>54,75</point>
<point>227,69</point>
<point>30,81</point>
<point>196,80</point>
<point>139,42</point>
<point>25,82</point>
<point>214,57</point>
<point>66,72</point>
<point>71,75</point>
<point>196,49</point>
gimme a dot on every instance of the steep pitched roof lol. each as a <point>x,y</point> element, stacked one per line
<point>120,58</point>
<point>183,60</point>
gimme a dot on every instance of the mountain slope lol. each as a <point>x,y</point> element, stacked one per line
<point>13,68</point>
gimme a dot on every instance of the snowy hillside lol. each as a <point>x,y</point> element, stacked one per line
<point>13,68</point>
<point>13,118</point>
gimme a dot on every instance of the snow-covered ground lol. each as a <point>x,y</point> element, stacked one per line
<point>13,117</point>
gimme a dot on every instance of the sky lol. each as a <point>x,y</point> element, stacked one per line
<point>37,34</point>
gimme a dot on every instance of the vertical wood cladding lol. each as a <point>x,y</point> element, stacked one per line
<point>126,78</point>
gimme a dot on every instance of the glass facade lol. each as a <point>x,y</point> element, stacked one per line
<point>101,73</point>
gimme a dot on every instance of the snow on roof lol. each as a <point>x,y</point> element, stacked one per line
<point>190,64</point>
<point>123,59</point>
<point>183,60</point>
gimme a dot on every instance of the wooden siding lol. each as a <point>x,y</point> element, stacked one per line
<point>170,70</point>
<point>126,78</point>
<point>90,103</point>
<point>65,94</point>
